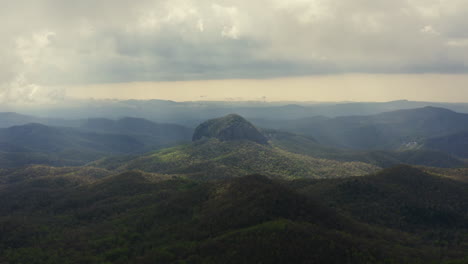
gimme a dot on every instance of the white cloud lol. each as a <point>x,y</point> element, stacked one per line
<point>458,43</point>
<point>200,25</point>
<point>30,53</point>
<point>66,42</point>
<point>20,90</point>
<point>31,48</point>
<point>230,32</point>
<point>229,18</point>
<point>429,30</point>
<point>306,11</point>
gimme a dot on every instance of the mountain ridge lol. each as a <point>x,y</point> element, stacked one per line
<point>384,131</point>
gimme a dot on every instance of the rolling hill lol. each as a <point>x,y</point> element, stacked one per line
<point>163,132</point>
<point>401,197</point>
<point>231,146</point>
<point>227,197</point>
<point>149,218</point>
<point>213,158</point>
<point>61,146</point>
<point>385,131</point>
<point>305,145</point>
<point>454,144</point>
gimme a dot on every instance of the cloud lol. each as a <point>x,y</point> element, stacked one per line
<point>27,55</point>
<point>50,43</point>
<point>458,42</point>
<point>429,30</point>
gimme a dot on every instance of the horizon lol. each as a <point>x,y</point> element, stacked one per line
<point>329,88</point>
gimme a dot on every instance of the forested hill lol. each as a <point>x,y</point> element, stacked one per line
<point>401,215</point>
<point>386,131</point>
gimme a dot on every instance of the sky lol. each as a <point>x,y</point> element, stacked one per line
<point>306,50</point>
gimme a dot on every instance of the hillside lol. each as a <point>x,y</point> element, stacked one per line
<point>455,144</point>
<point>213,158</point>
<point>402,197</point>
<point>67,146</point>
<point>309,146</point>
<point>8,119</point>
<point>138,218</point>
<point>163,132</point>
<point>390,130</point>
<point>77,175</point>
<point>458,174</point>
<point>230,196</point>
<point>33,143</point>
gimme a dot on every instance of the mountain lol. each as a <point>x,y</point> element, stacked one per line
<point>62,146</point>
<point>214,154</point>
<point>389,131</point>
<point>41,138</point>
<point>229,128</point>
<point>306,145</point>
<point>165,132</point>
<point>96,138</point>
<point>8,119</point>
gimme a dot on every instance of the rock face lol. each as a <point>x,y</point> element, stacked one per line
<point>229,128</point>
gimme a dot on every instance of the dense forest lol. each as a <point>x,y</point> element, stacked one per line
<point>136,191</point>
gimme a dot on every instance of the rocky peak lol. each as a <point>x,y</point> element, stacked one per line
<point>229,128</point>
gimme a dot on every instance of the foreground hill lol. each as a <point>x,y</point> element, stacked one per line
<point>402,197</point>
<point>458,174</point>
<point>147,218</point>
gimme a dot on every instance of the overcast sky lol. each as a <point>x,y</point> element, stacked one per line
<point>51,49</point>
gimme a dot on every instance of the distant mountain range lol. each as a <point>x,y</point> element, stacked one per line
<point>193,113</point>
<point>386,131</point>
<point>426,136</point>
